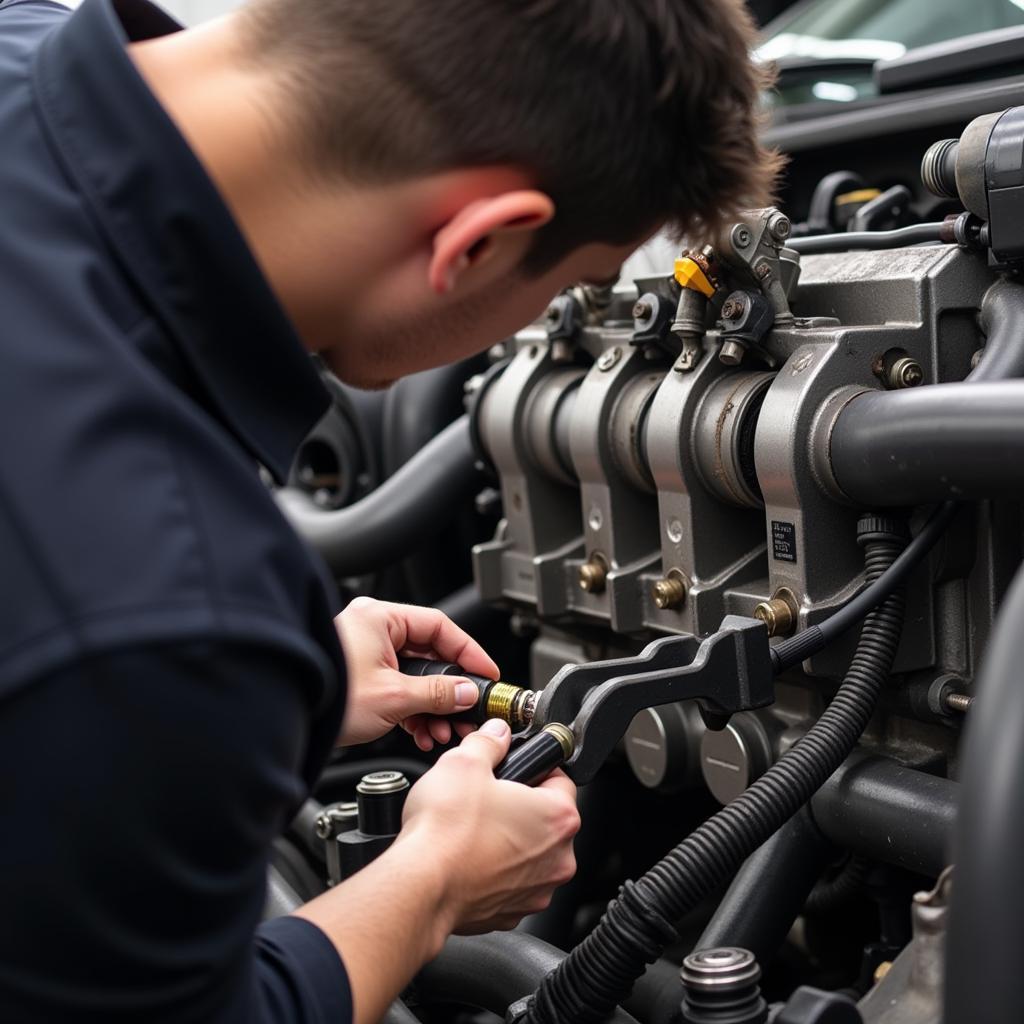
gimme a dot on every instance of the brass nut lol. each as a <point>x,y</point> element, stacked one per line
<point>779,613</point>
<point>593,574</point>
<point>670,592</point>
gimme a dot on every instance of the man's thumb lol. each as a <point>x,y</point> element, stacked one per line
<point>490,742</point>
<point>438,695</point>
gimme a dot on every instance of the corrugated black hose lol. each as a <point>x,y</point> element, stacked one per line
<point>636,927</point>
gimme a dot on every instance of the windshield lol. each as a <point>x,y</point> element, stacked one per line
<point>826,48</point>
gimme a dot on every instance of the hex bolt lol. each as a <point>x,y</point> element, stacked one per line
<point>593,574</point>
<point>609,358</point>
<point>762,270</point>
<point>906,372</point>
<point>779,613</point>
<point>642,310</point>
<point>731,353</point>
<point>670,591</point>
<point>960,702</point>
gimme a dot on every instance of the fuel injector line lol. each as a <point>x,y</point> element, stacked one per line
<point>393,520</point>
<point>843,241</point>
<point>635,929</point>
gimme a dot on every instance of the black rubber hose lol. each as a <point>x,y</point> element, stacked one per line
<point>921,445</point>
<point>1002,318</point>
<point>491,971</point>
<point>392,521</point>
<point>639,924</point>
<point>833,893</point>
<point>842,241</point>
<point>985,941</point>
<point>770,889</point>
<point>887,812</point>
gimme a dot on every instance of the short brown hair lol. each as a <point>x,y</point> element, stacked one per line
<point>628,113</point>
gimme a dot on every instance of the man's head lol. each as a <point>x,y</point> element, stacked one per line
<point>516,146</point>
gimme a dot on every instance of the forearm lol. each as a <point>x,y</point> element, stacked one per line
<point>386,922</point>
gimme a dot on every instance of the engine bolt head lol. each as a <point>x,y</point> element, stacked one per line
<point>732,309</point>
<point>593,574</point>
<point>779,613</point>
<point>762,271</point>
<point>741,236</point>
<point>670,592</point>
<point>609,358</point>
<point>906,372</point>
<point>642,310</point>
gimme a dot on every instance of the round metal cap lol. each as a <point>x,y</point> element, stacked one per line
<point>720,967</point>
<point>732,758</point>
<point>663,744</point>
<point>377,783</point>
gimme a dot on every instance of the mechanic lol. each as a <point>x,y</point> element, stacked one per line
<point>184,217</point>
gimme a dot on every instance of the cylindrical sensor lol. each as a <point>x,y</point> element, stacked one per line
<point>720,986</point>
<point>381,797</point>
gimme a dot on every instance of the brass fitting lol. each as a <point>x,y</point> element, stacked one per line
<point>564,735</point>
<point>779,613</point>
<point>670,591</point>
<point>594,573</point>
<point>511,704</point>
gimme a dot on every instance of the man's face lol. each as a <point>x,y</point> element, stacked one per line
<point>396,335</point>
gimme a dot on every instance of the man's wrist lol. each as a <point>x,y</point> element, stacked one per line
<point>417,858</point>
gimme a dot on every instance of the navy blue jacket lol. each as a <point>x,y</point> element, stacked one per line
<point>170,678</point>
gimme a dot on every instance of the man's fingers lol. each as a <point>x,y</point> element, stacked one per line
<point>489,743</point>
<point>559,782</point>
<point>427,627</point>
<point>431,695</point>
<point>440,729</point>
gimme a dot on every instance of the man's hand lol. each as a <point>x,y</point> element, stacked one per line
<point>474,854</point>
<point>373,635</point>
<point>502,847</point>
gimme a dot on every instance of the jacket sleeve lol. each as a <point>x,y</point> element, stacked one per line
<point>140,795</point>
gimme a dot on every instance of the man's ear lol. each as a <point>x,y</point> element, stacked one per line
<point>470,235</point>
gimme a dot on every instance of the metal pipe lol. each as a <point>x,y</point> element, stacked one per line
<point>881,809</point>
<point>985,942</point>
<point>770,890</point>
<point>843,241</point>
<point>392,521</point>
<point>945,441</point>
